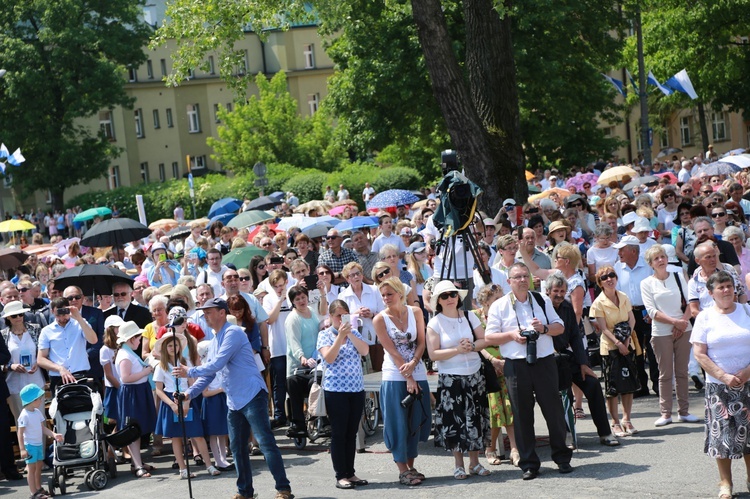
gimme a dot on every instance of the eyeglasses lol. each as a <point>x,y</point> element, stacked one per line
<point>330,238</point>
<point>266,244</point>
<point>354,274</point>
<point>245,278</point>
<point>383,273</point>
<point>707,191</point>
<point>449,294</point>
<point>74,297</point>
<point>231,277</point>
<point>15,316</point>
<point>261,266</point>
<point>323,272</point>
<point>689,189</point>
<point>577,205</point>
<point>139,289</point>
<point>524,276</point>
<point>23,290</point>
<point>668,195</point>
<point>607,277</point>
<point>116,295</point>
<point>719,214</point>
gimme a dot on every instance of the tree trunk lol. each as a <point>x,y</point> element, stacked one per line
<point>704,128</point>
<point>58,202</point>
<point>484,123</point>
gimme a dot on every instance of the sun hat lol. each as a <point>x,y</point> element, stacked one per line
<point>445,287</point>
<point>416,247</point>
<point>30,393</point>
<point>158,246</point>
<point>113,320</point>
<point>641,225</point>
<point>509,201</point>
<point>489,221</point>
<point>629,218</point>
<point>671,254</point>
<point>558,225</point>
<point>14,308</point>
<point>128,330</point>
<point>169,336</point>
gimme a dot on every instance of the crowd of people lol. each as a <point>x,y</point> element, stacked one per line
<point>565,284</point>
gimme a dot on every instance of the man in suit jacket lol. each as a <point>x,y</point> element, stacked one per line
<point>122,294</point>
<point>95,318</point>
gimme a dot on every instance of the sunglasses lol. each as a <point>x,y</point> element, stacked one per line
<point>577,205</point>
<point>449,294</point>
<point>687,190</point>
<point>719,214</point>
<point>244,279</point>
<point>261,266</point>
<point>116,295</point>
<point>668,195</point>
<point>323,272</point>
<point>383,273</point>
<point>708,191</point>
<point>23,290</point>
<point>15,316</point>
<point>231,277</point>
<point>74,297</point>
<point>607,277</point>
<point>532,211</point>
<point>330,238</point>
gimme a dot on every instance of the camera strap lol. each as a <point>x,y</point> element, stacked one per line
<point>410,412</point>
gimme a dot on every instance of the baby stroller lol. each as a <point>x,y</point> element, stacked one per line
<point>77,413</point>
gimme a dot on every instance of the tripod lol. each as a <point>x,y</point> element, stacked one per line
<point>458,246</point>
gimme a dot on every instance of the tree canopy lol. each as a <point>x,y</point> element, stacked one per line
<point>65,60</point>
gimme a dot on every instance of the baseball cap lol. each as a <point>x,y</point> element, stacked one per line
<point>416,247</point>
<point>509,201</point>
<point>215,303</point>
<point>627,241</point>
<point>489,221</point>
<point>629,218</point>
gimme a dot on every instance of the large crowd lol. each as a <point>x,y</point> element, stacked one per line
<point>644,282</point>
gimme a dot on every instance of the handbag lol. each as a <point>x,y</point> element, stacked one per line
<point>316,403</point>
<point>623,373</point>
<point>564,362</point>
<point>487,370</point>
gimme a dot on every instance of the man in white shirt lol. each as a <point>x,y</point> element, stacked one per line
<point>214,273</point>
<point>510,319</point>
<point>343,193</point>
<point>368,192</point>
<point>684,173</point>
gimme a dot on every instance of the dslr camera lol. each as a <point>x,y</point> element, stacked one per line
<point>410,398</point>
<point>531,337</point>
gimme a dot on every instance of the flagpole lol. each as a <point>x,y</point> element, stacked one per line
<point>642,91</point>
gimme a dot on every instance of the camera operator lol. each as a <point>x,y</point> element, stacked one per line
<point>523,323</point>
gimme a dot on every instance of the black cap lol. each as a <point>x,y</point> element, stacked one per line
<point>215,303</point>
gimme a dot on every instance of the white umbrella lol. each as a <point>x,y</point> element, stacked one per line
<point>741,160</point>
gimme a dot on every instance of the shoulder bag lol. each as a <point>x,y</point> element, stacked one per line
<point>316,403</point>
<point>492,384</point>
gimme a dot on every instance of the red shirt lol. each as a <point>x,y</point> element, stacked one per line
<point>192,328</point>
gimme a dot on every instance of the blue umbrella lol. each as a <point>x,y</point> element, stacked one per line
<point>225,205</point>
<point>392,199</point>
<point>278,196</point>
<point>223,218</point>
<point>733,152</point>
<point>357,223</point>
<point>719,168</point>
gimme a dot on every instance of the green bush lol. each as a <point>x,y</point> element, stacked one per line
<point>307,186</point>
<point>354,176</point>
<point>397,178</point>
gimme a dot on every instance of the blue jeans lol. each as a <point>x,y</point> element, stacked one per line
<point>277,368</point>
<point>254,416</point>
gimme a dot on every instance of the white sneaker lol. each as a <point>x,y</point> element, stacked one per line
<point>663,421</point>
<point>688,418</point>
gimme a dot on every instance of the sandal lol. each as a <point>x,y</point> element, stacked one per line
<point>579,414</point>
<point>212,471</point>
<point>725,492</point>
<point>629,428</point>
<point>515,458</point>
<point>417,474</point>
<point>460,474</point>
<point>141,473</point>
<point>407,478</point>
<point>618,431</point>
<point>492,458</point>
<point>184,474</point>
<point>145,466</point>
<point>199,460</point>
<point>479,470</point>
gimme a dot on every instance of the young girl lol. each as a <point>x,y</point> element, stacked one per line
<point>214,414</point>
<point>31,432</point>
<point>107,361</point>
<point>167,422</point>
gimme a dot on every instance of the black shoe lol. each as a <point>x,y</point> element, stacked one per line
<point>564,468</point>
<point>531,474</point>
<point>225,468</point>
<point>295,431</point>
<point>13,475</point>
<point>697,382</point>
<point>276,423</point>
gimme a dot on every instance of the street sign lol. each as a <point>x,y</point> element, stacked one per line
<point>190,180</point>
<point>261,182</point>
<point>259,169</point>
<point>650,137</point>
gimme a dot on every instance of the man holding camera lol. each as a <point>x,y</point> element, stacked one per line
<point>523,324</point>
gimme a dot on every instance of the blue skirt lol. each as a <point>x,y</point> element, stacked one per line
<point>168,426</point>
<point>401,433</point>
<point>214,415</point>
<point>110,403</point>
<point>136,402</point>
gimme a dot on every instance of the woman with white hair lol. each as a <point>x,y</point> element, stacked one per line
<point>734,236</point>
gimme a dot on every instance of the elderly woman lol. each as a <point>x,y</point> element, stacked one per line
<point>341,349</point>
<point>501,413</point>
<point>158,308</point>
<point>400,329</point>
<point>302,326</point>
<point>721,344</point>
<point>665,298</point>
<point>21,338</point>
<point>611,308</point>
<point>389,254</point>
<point>707,257</point>
<point>361,299</point>
<point>734,236</point>
<point>603,252</point>
<point>462,413</point>
<point>383,270</point>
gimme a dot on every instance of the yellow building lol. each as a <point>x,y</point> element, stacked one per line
<point>167,124</point>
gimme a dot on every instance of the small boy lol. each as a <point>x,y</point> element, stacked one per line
<point>31,431</point>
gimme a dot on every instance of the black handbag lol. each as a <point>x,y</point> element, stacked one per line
<point>623,373</point>
<point>565,364</point>
<point>491,383</point>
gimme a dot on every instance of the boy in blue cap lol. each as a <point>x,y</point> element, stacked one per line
<point>31,431</point>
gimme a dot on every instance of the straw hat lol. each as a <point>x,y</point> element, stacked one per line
<point>169,336</point>
<point>445,287</point>
<point>558,225</point>
<point>128,330</point>
<point>14,308</point>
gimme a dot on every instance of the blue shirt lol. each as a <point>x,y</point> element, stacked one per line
<point>629,280</point>
<point>233,360</point>
<point>66,345</point>
<point>345,373</point>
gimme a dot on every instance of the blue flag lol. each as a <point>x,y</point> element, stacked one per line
<point>617,83</point>
<point>653,81</point>
<point>681,83</point>
<point>632,81</point>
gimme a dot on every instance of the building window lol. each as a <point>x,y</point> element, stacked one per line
<point>217,107</point>
<point>194,119</point>
<point>163,64</point>
<point>114,177</point>
<point>175,169</point>
<point>685,136</point>
<point>139,124</point>
<point>132,74</point>
<point>718,126</point>
<point>149,70</point>
<point>48,200</point>
<point>313,100</point>
<point>197,162</point>
<point>106,125</point>
<point>170,121</point>
<point>144,172</point>
<point>157,123</point>
<point>211,67</point>
<point>162,173</point>
<point>609,131</point>
<point>8,180</point>
<point>664,138</point>
<point>229,107</point>
<point>309,54</point>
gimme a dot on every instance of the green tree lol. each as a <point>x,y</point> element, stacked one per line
<point>269,129</point>
<point>65,61</point>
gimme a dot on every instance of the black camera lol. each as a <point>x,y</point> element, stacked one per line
<point>410,399</point>
<point>449,161</point>
<point>531,337</point>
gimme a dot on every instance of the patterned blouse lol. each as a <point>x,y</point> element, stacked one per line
<point>345,373</point>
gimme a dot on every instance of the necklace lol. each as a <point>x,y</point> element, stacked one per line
<point>402,322</point>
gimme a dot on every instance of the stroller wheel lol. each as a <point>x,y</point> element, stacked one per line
<point>97,479</point>
<point>51,486</point>
<point>61,484</point>
<point>300,442</point>
<point>87,479</point>
<point>112,467</point>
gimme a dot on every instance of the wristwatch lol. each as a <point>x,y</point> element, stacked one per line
<point>264,348</point>
<point>545,330</point>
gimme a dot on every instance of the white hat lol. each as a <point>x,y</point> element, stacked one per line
<point>627,241</point>
<point>14,308</point>
<point>629,218</point>
<point>445,287</point>
<point>489,221</point>
<point>509,201</point>
<point>128,330</point>
<point>671,254</point>
<point>113,320</point>
<point>641,225</point>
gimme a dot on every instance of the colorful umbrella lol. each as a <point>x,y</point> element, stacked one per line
<point>616,174</point>
<point>11,258</point>
<point>241,257</point>
<point>14,225</point>
<point>581,179</point>
<point>248,218</point>
<point>357,223</point>
<point>671,176</point>
<point>224,218</point>
<point>562,193</point>
<point>719,168</point>
<point>272,228</point>
<point>92,213</point>
<point>529,176</point>
<point>741,160</point>
<point>391,199</point>
<point>224,205</point>
<point>164,223</point>
<point>337,210</point>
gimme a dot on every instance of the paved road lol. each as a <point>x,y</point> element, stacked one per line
<point>658,462</point>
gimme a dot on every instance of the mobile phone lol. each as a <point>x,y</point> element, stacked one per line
<point>311,281</point>
<point>277,260</point>
<point>345,318</point>
<point>519,232</point>
<point>162,257</point>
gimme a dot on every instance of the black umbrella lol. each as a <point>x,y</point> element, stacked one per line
<point>667,151</point>
<point>179,233</point>
<point>262,203</point>
<point>648,179</point>
<point>11,258</point>
<point>92,279</point>
<point>114,232</point>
